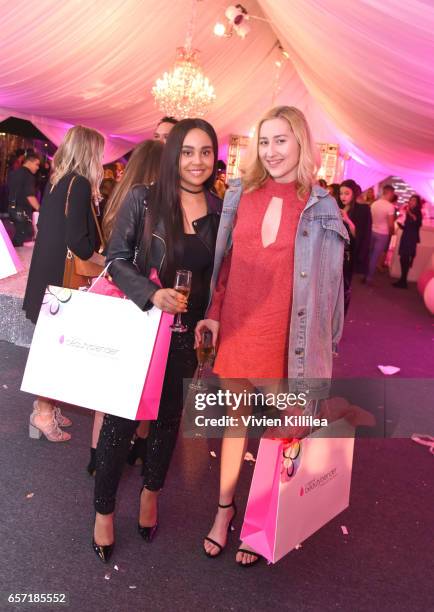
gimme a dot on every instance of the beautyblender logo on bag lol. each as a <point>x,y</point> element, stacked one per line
<point>77,343</point>
<point>318,482</point>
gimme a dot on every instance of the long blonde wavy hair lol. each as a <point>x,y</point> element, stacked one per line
<point>81,151</point>
<point>253,172</point>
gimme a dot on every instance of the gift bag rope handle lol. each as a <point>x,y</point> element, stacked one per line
<point>138,242</point>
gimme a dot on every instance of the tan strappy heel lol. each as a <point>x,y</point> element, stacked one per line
<point>50,429</point>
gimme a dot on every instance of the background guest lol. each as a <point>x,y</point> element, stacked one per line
<point>109,172</point>
<point>381,263</point>
<point>349,248</point>
<point>360,215</point>
<point>334,190</point>
<point>16,160</point>
<point>369,196</point>
<point>383,222</point>
<point>106,190</point>
<point>119,170</point>
<point>220,182</point>
<point>77,173</point>
<point>163,128</point>
<point>409,238</point>
<point>22,198</point>
<point>43,176</point>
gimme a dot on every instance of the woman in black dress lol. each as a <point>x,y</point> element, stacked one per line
<point>349,248</point>
<point>180,228</point>
<point>409,238</point>
<point>360,215</point>
<point>77,173</point>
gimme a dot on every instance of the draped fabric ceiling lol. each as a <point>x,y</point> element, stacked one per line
<point>362,71</point>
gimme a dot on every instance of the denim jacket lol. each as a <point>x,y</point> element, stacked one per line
<point>318,294</point>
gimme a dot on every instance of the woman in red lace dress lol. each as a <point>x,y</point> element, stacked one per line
<point>252,305</point>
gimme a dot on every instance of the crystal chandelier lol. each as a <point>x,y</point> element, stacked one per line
<point>185,91</point>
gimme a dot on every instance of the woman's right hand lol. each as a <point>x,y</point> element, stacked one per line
<point>169,300</point>
<point>98,259</point>
<point>213,326</point>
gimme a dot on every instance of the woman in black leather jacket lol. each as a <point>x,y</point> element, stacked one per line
<point>172,225</point>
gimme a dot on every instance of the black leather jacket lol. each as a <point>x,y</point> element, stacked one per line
<point>130,271</point>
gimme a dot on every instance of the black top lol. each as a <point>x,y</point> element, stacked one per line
<point>199,259</point>
<point>410,235</point>
<point>55,234</point>
<point>130,270</point>
<point>349,246</point>
<point>21,183</point>
<point>361,216</point>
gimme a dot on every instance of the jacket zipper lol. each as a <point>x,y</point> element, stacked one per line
<point>164,256</point>
<point>203,242</point>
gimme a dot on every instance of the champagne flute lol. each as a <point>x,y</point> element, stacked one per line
<point>183,285</point>
<point>205,354</point>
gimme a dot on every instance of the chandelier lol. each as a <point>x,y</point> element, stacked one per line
<point>185,91</point>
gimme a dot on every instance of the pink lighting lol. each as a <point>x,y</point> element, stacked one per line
<point>361,71</point>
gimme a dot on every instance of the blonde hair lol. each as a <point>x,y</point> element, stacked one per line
<point>254,174</point>
<point>81,151</point>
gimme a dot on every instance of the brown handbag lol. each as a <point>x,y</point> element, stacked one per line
<point>79,272</point>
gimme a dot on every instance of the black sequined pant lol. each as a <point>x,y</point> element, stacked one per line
<point>116,432</point>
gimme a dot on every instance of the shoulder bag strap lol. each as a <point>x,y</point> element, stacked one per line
<point>92,208</point>
<point>98,227</point>
<point>69,254</point>
<point>67,195</point>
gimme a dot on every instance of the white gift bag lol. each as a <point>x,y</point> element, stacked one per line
<point>10,263</point>
<point>92,351</point>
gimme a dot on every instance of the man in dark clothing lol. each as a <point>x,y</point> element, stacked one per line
<point>17,160</point>
<point>22,198</point>
<point>163,128</point>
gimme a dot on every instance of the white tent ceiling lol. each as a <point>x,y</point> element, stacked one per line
<point>362,71</point>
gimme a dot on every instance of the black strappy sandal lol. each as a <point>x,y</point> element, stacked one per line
<point>249,552</point>
<point>219,546</point>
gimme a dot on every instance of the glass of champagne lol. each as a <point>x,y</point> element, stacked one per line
<point>205,354</point>
<point>183,285</point>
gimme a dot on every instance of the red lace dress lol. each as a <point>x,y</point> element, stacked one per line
<point>253,296</point>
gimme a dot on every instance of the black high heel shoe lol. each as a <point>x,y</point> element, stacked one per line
<point>147,533</point>
<point>137,451</point>
<point>103,552</point>
<point>219,546</point>
<point>249,552</point>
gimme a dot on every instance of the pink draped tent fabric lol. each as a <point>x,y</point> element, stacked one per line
<point>362,71</point>
<point>369,64</point>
